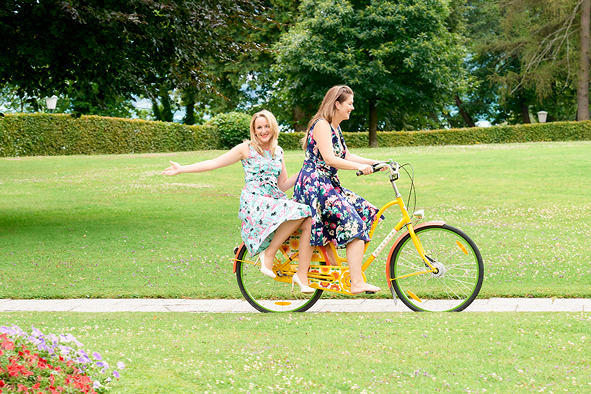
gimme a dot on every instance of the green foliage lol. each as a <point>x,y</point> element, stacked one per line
<point>59,134</point>
<point>43,364</point>
<point>290,141</point>
<point>396,55</point>
<point>524,58</point>
<point>117,48</point>
<point>233,128</point>
<point>558,131</point>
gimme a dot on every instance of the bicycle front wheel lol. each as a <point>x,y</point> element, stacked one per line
<point>459,276</point>
<point>266,294</point>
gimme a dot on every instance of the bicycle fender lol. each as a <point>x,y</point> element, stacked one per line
<point>438,223</point>
<point>236,256</point>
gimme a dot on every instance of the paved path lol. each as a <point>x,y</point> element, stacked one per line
<point>241,306</point>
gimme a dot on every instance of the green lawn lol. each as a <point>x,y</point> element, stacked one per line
<point>113,226</point>
<point>334,352</point>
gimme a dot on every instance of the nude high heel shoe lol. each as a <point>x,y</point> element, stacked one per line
<point>305,289</point>
<point>264,268</point>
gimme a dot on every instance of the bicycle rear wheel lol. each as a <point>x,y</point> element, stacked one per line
<point>266,294</point>
<point>460,270</point>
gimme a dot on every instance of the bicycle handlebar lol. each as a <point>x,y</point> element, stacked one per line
<point>392,165</point>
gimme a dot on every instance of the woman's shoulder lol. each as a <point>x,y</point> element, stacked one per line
<point>322,125</point>
<point>244,148</point>
<point>321,122</point>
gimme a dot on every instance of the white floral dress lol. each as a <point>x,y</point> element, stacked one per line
<point>263,206</point>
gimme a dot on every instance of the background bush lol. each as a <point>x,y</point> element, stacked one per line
<point>43,134</point>
<point>59,134</point>
<point>232,128</point>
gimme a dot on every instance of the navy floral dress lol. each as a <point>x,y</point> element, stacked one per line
<point>338,214</point>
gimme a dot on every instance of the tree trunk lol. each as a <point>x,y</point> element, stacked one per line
<point>189,118</point>
<point>156,109</point>
<point>465,115</point>
<point>436,119</point>
<point>524,110</point>
<point>583,83</point>
<point>373,124</point>
<point>167,114</point>
<point>299,116</point>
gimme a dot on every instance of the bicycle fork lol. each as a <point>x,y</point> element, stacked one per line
<point>404,222</point>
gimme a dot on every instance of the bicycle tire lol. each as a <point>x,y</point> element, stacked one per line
<point>460,276</point>
<point>267,294</point>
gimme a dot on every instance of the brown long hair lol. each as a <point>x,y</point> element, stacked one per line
<point>254,142</point>
<point>327,109</point>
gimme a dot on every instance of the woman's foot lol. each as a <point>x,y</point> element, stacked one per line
<point>364,288</point>
<point>264,269</point>
<point>303,287</point>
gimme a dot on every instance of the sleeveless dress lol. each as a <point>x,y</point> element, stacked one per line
<point>338,214</point>
<point>263,206</point>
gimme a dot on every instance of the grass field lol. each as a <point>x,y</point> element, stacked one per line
<point>113,226</point>
<point>334,352</point>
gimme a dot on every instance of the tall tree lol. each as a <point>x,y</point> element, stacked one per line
<point>245,81</point>
<point>539,44</point>
<point>117,48</point>
<point>396,55</point>
<point>583,76</point>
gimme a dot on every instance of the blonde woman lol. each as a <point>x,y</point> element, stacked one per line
<point>339,215</point>
<point>268,216</point>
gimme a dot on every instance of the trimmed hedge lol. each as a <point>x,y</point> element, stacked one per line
<point>535,132</point>
<point>60,134</point>
<point>43,134</point>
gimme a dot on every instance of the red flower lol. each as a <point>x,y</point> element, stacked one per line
<point>7,344</point>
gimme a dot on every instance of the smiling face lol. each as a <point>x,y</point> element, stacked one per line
<point>343,109</point>
<point>263,132</point>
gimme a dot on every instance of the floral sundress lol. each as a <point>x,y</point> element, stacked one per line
<point>263,206</point>
<point>338,214</point>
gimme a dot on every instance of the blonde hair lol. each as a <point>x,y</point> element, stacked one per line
<point>254,142</point>
<point>327,109</point>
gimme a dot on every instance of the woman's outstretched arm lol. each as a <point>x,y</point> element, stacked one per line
<point>237,153</point>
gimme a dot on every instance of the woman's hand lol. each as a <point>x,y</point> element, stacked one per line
<point>366,170</point>
<point>172,170</point>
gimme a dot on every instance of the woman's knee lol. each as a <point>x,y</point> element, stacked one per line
<point>306,224</point>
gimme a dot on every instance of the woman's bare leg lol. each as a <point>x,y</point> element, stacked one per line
<point>355,250</point>
<point>281,234</point>
<point>305,250</point>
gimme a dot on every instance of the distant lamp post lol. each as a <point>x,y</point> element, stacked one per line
<point>542,115</point>
<point>51,102</point>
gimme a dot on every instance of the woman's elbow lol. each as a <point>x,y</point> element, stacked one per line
<point>331,161</point>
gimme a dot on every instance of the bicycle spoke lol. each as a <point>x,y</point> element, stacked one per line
<point>459,270</point>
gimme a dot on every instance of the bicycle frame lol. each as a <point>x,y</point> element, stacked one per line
<point>406,221</point>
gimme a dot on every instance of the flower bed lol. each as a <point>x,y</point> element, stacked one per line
<point>50,364</point>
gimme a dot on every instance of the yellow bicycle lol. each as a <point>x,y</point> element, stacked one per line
<point>432,266</point>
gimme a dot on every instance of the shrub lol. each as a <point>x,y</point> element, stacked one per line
<point>290,141</point>
<point>49,364</point>
<point>60,134</point>
<point>233,128</point>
